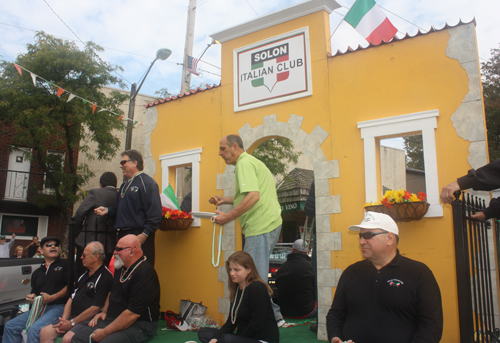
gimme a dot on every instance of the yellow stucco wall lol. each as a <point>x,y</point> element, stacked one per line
<point>404,77</point>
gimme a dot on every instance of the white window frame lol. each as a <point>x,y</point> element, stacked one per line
<point>192,157</point>
<point>43,224</point>
<point>406,124</point>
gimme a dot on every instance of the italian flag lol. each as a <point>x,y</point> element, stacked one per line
<point>371,23</point>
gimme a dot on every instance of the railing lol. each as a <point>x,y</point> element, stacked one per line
<point>474,273</point>
<point>20,186</point>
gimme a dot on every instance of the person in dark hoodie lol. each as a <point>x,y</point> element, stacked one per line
<point>296,284</point>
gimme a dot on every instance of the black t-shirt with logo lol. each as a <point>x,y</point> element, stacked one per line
<point>91,290</point>
<point>137,290</point>
<point>51,279</point>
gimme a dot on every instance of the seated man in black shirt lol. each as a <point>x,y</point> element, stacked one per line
<point>48,281</point>
<point>296,284</point>
<point>89,295</point>
<point>133,306</point>
<point>386,297</point>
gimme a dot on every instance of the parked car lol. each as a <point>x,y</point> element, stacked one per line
<point>15,284</point>
<point>277,258</point>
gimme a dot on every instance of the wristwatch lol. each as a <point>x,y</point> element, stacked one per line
<point>72,322</point>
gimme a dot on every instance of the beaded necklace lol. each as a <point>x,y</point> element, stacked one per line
<point>124,189</point>
<point>234,314</point>
<point>122,280</point>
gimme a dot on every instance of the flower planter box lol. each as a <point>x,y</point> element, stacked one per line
<point>406,211</point>
<point>177,224</point>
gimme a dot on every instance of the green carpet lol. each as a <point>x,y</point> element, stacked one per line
<point>294,334</point>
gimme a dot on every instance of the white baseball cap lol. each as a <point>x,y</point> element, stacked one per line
<point>376,220</point>
<point>298,245</point>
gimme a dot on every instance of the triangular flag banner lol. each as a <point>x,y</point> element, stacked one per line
<point>120,117</point>
<point>71,96</point>
<point>60,92</point>
<point>139,125</point>
<point>84,101</point>
<point>33,77</point>
<point>370,22</point>
<point>93,108</point>
<point>135,122</point>
<point>169,192</point>
<point>18,69</point>
<point>103,110</point>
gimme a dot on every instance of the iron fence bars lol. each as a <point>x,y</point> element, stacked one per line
<point>463,271</point>
<point>474,279</point>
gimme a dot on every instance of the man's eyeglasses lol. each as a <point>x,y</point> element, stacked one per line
<point>49,245</point>
<point>118,249</point>
<point>370,235</point>
<point>122,162</point>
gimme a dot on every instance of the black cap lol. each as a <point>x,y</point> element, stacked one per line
<point>50,238</point>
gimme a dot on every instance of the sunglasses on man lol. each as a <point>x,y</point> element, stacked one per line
<point>49,245</point>
<point>122,162</point>
<point>370,235</point>
<point>118,249</point>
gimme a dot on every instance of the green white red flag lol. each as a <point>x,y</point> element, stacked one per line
<point>370,22</point>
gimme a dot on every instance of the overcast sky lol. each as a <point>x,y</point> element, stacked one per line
<point>132,31</point>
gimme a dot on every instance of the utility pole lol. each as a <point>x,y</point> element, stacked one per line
<point>188,46</point>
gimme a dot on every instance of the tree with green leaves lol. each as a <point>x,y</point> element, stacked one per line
<point>414,152</point>
<point>276,154</point>
<point>491,93</point>
<point>45,123</point>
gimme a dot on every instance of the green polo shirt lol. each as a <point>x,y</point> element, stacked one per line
<point>251,175</point>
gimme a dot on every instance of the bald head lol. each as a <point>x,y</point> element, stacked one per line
<point>129,249</point>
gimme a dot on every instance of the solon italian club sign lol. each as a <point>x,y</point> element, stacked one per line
<point>274,70</point>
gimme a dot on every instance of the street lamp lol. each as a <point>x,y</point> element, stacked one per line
<point>161,54</point>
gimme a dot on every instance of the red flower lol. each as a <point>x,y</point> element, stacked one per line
<point>175,214</point>
<point>407,195</point>
<point>422,196</point>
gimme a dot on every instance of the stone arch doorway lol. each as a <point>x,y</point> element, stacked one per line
<point>326,203</point>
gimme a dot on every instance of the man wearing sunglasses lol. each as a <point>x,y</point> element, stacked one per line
<point>48,281</point>
<point>138,205</point>
<point>132,309</point>
<point>386,297</point>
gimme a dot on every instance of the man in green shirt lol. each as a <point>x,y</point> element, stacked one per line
<point>255,205</point>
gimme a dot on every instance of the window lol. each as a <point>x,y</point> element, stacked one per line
<point>189,159</point>
<point>420,123</point>
<point>24,226</point>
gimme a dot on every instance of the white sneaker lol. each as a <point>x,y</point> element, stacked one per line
<point>281,322</point>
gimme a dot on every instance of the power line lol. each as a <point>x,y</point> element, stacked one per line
<point>252,8</point>
<point>69,28</point>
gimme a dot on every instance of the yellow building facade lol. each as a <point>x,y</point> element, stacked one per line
<point>341,107</point>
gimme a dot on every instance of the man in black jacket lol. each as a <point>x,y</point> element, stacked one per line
<point>486,178</point>
<point>138,205</point>
<point>96,228</point>
<point>296,284</point>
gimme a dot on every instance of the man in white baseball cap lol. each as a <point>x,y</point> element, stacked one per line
<point>386,297</point>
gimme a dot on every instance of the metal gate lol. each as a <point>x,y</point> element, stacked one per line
<point>474,276</point>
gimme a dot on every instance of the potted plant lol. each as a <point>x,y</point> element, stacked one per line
<point>175,220</point>
<point>401,205</point>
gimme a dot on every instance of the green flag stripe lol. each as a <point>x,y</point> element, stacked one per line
<point>358,11</point>
<point>258,82</point>
<point>257,65</point>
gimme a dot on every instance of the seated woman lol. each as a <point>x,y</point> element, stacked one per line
<point>251,312</point>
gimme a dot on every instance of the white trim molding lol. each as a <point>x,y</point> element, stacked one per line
<point>193,157</point>
<point>282,16</point>
<point>424,122</point>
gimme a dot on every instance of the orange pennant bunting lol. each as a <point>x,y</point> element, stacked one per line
<point>120,117</point>
<point>60,92</point>
<point>18,69</point>
<point>93,108</point>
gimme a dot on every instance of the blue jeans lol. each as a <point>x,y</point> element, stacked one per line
<point>13,328</point>
<point>260,248</point>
